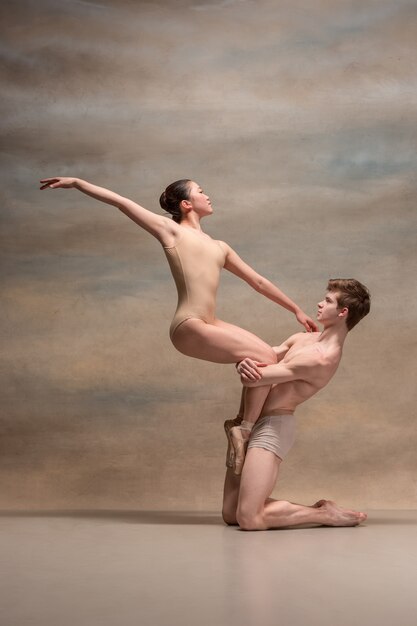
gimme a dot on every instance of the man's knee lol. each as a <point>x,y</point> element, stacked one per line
<point>249,519</point>
<point>229,511</point>
<point>229,517</point>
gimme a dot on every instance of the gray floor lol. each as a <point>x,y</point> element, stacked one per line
<point>156,569</point>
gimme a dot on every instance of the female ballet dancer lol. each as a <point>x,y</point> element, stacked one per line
<point>195,260</point>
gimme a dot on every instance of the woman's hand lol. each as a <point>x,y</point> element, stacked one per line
<point>58,183</point>
<point>306,321</point>
<point>249,370</point>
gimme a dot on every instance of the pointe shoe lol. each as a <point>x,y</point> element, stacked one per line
<point>239,439</point>
<point>228,425</point>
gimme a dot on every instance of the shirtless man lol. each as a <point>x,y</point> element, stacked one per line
<point>306,363</point>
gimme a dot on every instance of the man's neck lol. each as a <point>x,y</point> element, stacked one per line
<point>334,336</point>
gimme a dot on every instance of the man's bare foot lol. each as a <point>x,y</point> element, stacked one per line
<point>338,516</point>
<point>228,425</point>
<point>239,439</point>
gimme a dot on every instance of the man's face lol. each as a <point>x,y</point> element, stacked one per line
<point>328,312</point>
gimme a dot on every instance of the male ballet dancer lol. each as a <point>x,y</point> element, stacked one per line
<point>306,363</point>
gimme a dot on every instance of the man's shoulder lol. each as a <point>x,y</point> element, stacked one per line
<point>300,338</point>
<point>303,340</point>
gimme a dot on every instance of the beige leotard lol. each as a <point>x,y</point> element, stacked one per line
<point>195,262</point>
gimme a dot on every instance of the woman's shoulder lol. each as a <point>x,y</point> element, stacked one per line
<point>224,246</point>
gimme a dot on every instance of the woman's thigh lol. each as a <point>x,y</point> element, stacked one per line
<point>220,342</point>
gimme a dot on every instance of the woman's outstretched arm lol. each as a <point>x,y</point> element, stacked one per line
<point>264,286</point>
<point>162,228</point>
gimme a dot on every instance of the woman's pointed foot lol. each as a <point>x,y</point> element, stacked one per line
<point>228,425</point>
<point>239,438</point>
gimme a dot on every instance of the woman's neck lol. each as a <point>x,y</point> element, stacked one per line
<point>191,220</point>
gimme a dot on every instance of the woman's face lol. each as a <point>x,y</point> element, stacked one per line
<point>200,201</point>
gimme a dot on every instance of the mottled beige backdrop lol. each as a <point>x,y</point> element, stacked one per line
<point>299,119</point>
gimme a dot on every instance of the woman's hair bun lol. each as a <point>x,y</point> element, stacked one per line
<point>163,201</point>
<point>171,198</point>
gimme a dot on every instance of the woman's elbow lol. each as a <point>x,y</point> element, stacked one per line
<point>259,284</point>
<point>256,281</point>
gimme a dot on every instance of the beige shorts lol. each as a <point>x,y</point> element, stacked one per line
<point>275,433</point>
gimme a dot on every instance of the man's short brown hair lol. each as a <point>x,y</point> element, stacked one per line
<point>352,295</point>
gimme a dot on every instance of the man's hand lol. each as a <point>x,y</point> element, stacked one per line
<point>306,321</point>
<point>249,370</point>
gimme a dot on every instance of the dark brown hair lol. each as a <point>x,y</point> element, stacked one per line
<point>171,198</point>
<point>352,295</point>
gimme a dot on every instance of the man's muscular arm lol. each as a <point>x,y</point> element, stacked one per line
<point>301,367</point>
<point>252,371</point>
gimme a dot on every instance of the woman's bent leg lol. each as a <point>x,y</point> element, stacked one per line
<point>253,399</point>
<point>220,342</point>
<point>225,343</point>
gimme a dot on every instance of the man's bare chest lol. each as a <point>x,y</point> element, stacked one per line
<point>303,348</point>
